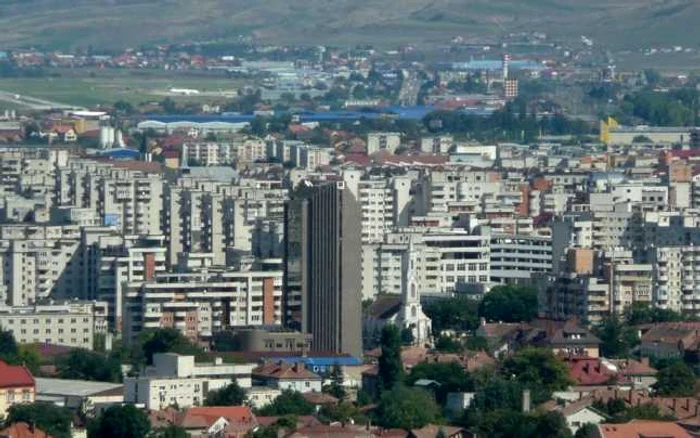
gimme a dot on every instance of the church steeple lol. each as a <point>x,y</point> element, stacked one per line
<point>411,314</point>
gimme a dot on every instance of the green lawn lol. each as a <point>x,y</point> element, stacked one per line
<point>109,87</point>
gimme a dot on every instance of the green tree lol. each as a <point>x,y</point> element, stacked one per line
<point>675,380</point>
<point>586,431</point>
<point>52,419</point>
<point>336,388</point>
<point>452,378</point>
<point>288,422</point>
<point>507,423</point>
<point>165,341</point>
<point>447,344</point>
<point>120,422</point>
<point>407,336</point>
<point>170,431</point>
<point>230,395</point>
<point>644,313</point>
<point>288,403</point>
<point>8,345</point>
<point>537,368</point>
<point>459,313</point>
<point>476,343</point>
<point>87,365</point>
<point>390,366</point>
<point>616,338</point>
<point>406,408</point>
<point>344,412</point>
<point>510,304</point>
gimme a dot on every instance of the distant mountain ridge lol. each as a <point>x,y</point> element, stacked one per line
<point>123,23</point>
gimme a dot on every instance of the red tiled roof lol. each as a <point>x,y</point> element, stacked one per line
<point>281,370</point>
<point>204,416</point>
<point>24,430</point>
<point>360,159</point>
<point>15,376</point>
<point>642,428</point>
<point>590,371</point>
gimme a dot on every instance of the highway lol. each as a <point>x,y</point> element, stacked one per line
<point>408,96</point>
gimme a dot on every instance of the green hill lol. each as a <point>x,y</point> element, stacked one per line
<point>121,23</point>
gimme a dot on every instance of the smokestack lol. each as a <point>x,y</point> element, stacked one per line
<point>527,401</point>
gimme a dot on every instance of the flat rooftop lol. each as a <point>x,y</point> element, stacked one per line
<point>65,387</point>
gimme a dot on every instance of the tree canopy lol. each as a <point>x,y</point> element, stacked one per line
<point>644,313</point>
<point>164,341</point>
<point>390,366</point>
<point>230,395</point>
<point>459,313</point>
<point>87,365</point>
<point>537,368</point>
<point>452,377</point>
<point>120,422</point>
<point>510,304</point>
<point>406,408</point>
<point>617,339</point>
<point>677,380</point>
<point>52,419</point>
<point>288,403</point>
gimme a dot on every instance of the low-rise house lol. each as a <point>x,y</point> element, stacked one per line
<point>214,421</point>
<point>669,340</point>
<point>261,396</point>
<point>499,336</point>
<point>287,376</point>
<point>17,386</point>
<point>574,340</point>
<point>638,372</point>
<point>581,412</point>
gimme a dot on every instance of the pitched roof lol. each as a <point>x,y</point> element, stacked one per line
<point>572,334</point>
<point>200,417</point>
<point>590,371</point>
<point>282,370</point>
<point>432,430</point>
<point>320,398</point>
<point>671,333</point>
<point>642,429</point>
<point>14,376</point>
<point>631,367</point>
<point>384,307</point>
<point>23,430</point>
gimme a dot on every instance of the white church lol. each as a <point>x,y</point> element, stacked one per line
<point>404,311</point>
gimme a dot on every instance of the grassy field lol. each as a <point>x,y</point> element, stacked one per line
<point>117,24</point>
<point>108,87</point>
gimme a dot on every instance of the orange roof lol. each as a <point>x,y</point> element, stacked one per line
<point>205,416</point>
<point>24,430</point>
<point>281,370</point>
<point>642,429</point>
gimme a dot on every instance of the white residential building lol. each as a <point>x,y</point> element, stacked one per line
<point>178,380</point>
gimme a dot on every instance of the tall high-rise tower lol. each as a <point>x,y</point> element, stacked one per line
<point>322,273</point>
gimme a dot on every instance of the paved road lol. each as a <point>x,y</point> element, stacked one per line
<point>34,103</point>
<point>408,96</point>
